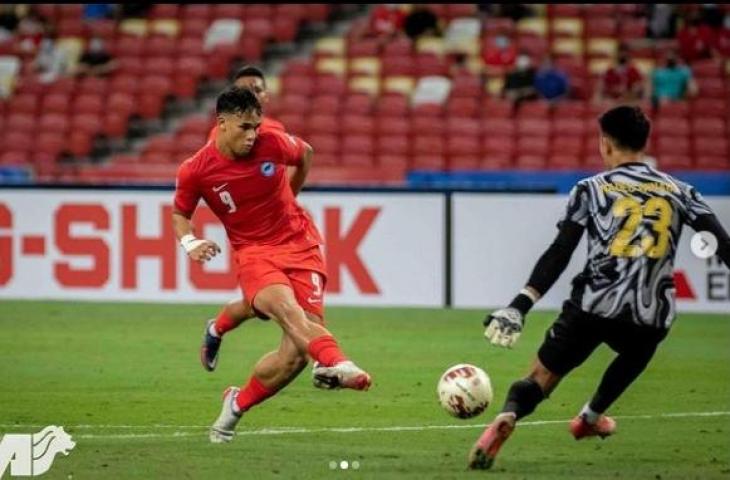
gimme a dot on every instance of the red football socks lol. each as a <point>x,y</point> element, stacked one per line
<point>224,323</point>
<point>252,394</point>
<point>325,350</point>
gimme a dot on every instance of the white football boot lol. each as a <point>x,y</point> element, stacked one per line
<point>222,430</point>
<point>342,375</point>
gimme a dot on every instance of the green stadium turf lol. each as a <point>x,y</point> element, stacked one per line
<point>125,382</point>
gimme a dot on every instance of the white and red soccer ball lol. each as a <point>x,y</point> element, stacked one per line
<point>465,391</point>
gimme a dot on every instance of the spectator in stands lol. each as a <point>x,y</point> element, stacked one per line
<point>499,55</point>
<point>95,60</point>
<point>551,82</point>
<point>386,20</point>
<point>31,30</point>
<point>722,39</point>
<point>623,81</point>
<point>421,21</point>
<point>519,84</point>
<point>9,21</point>
<point>96,11</point>
<point>695,40</point>
<point>50,62</point>
<point>672,82</point>
<point>662,20</point>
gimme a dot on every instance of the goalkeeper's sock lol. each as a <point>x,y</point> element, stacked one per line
<point>589,415</point>
<point>223,323</point>
<point>325,350</point>
<point>523,397</point>
<point>252,394</point>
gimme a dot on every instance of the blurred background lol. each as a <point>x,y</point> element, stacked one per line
<point>486,96</point>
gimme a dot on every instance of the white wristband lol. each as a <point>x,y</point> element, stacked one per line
<point>529,293</point>
<point>190,243</point>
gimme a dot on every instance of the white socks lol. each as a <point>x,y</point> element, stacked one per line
<point>589,415</point>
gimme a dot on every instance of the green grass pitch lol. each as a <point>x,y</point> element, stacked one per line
<point>125,382</point>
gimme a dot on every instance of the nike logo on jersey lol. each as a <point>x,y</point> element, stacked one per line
<point>218,189</point>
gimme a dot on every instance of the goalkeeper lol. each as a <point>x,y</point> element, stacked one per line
<point>633,215</point>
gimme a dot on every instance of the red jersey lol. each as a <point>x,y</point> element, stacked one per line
<point>267,124</point>
<point>250,195</point>
<point>618,81</point>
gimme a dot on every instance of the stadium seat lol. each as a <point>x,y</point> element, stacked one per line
<point>325,143</point>
<point>357,103</point>
<point>392,126</point>
<point>358,124</point>
<point>398,145</point>
<point>323,124</point>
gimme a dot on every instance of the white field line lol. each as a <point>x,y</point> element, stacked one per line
<point>290,430</point>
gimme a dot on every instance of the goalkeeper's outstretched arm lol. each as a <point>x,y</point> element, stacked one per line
<point>505,325</point>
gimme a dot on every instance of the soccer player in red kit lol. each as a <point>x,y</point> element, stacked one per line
<point>235,312</point>
<point>242,177</point>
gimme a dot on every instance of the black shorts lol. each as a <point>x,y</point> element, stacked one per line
<point>572,338</point>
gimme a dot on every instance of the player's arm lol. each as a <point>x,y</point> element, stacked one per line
<point>301,170</point>
<point>187,195</point>
<point>198,249</point>
<point>505,325</point>
<point>710,223</point>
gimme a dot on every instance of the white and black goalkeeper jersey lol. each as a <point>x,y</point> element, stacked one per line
<point>633,216</point>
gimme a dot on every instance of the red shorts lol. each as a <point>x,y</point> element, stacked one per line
<point>304,271</point>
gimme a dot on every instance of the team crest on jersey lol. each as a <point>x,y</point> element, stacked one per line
<point>268,169</point>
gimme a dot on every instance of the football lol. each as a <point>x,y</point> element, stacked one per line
<point>465,391</point>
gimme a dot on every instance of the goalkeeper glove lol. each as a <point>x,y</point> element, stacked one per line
<point>504,327</point>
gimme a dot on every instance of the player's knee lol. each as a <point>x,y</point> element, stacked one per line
<point>543,377</point>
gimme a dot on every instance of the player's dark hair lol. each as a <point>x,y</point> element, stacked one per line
<point>627,126</point>
<point>237,100</point>
<point>249,71</point>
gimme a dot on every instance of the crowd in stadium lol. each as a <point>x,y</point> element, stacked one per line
<point>433,87</point>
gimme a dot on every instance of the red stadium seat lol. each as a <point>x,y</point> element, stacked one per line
<point>713,162</point>
<point>358,103</point>
<point>89,103</point>
<point>358,124</point>
<point>709,107</point>
<point>499,127</point>
<point>161,143</point>
<point>18,141</point>
<point>191,46</point>
<point>710,146</point>
<point>709,126</point>
<point>500,146</point>
<point>531,162</point>
<point>392,126</point>
<point>199,124</point>
<point>79,144</point>
<point>466,85</point>
<point>294,103</point>
<point>325,143</point>
<point>569,125</point>
<point>672,145</point>
<point>49,143</point>
<point>327,104</point>
<point>674,162</point>
<point>262,28</point>
<point>228,10</point>
<point>295,123</point>
<point>330,84</point>
<point>93,85</point>
<point>712,88</point>
<point>427,110</point>
<point>425,125</point>
<point>393,145</point>
<point>54,123</point>
<point>600,27</point>
<point>567,145</point>
<point>674,109</point>
<point>357,160</point>
<point>533,126</point>
<point>538,146</point>
<point>129,46</point>
<point>323,124</point>
<point>165,10</point>
<point>297,84</point>
<point>285,29</point>
<point>160,46</point>
<point>562,161</point>
<point>201,11</point>
<point>672,126</point>
<point>399,48</point>
<point>459,126</point>
<point>393,105</point>
<point>496,108</point>
<point>425,145</point>
<point>399,66</point>
<point>462,107</point>
<point>364,47</point>
<point>26,104</point>
<point>87,123</point>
